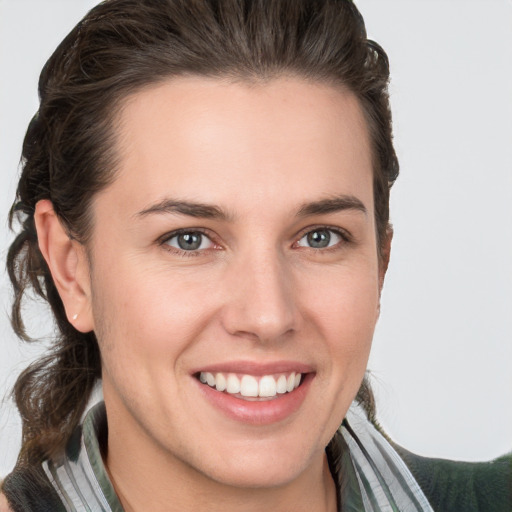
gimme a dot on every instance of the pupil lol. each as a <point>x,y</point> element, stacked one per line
<point>319,239</point>
<point>189,241</point>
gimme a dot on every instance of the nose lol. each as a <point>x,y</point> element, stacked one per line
<point>260,298</point>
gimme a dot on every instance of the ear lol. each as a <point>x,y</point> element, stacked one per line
<point>68,263</point>
<point>385,253</point>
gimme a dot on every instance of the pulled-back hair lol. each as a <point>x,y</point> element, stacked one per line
<point>69,151</point>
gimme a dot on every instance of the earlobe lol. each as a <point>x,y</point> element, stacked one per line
<point>67,260</point>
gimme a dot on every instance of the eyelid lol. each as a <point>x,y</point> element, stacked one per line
<point>346,235</point>
<point>162,241</point>
<point>167,236</point>
<point>342,233</point>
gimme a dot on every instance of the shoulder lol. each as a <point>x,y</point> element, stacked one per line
<point>470,486</point>
<point>4,506</point>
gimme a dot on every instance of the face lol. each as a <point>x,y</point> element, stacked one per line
<point>234,275</point>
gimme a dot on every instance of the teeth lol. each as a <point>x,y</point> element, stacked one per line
<point>290,382</point>
<point>233,385</point>
<point>210,379</point>
<point>281,384</point>
<point>248,386</point>
<point>267,386</point>
<point>220,382</point>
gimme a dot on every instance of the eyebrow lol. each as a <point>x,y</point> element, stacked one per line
<point>190,208</point>
<point>209,211</point>
<point>332,205</point>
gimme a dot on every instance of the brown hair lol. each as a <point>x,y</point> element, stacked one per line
<point>68,154</point>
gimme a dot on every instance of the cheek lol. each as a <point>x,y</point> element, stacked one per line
<point>345,312</point>
<point>145,319</point>
<point>345,305</point>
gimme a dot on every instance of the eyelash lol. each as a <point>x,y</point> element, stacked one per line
<point>163,241</point>
<point>346,238</point>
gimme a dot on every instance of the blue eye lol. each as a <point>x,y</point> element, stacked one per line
<point>320,238</point>
<point>189,241</point>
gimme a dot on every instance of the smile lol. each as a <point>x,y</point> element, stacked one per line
<point>256,394</point>
<point>249,387</point>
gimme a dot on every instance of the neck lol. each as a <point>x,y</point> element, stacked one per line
<point>183,494</point>
<point>144,475</point>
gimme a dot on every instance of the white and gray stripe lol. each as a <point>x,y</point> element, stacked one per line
<point>385,482</point>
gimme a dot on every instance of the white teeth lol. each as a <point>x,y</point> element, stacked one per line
<point>268,386</point>
<point>220,382</point>
<point>281,384</point>
<point>210,379</point>
<point>233,384</point>
<point>248,386</point>
<point>290,382</point>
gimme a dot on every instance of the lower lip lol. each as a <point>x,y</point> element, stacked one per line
<point>265,412</point>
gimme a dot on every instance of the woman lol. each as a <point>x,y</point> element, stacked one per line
<point>204,203</point>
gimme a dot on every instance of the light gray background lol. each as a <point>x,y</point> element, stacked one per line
<point>442,354</point>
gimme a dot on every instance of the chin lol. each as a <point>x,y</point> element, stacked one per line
<point>258,474</point>
<point>257,464</point>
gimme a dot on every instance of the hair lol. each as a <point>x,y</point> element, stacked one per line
<point>69,151</point>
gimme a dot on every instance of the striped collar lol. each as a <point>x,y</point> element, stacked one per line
<point>79,475</point>
<point>369,474</point>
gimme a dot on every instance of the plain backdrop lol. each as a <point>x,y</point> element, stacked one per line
<point>442,355</point>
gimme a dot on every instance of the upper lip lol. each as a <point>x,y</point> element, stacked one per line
<point>256,368</point>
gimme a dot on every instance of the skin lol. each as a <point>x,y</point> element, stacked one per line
<point>4,506</point>
<point>255,292</point>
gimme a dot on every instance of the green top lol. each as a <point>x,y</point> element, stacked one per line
<point>463,486</point>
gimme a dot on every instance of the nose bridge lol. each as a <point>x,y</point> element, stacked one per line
<point>261,301</point>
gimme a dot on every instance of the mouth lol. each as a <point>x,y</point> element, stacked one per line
<point>256,394</point>
<point>251,387</point>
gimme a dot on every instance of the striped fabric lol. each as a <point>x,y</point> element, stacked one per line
<point>79,476</point>
<point>385,482</point>
<point>369,474</point>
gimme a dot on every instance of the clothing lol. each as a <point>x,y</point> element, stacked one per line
<point>370,474</point>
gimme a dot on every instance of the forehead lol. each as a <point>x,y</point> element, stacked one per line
<point>214,140</point>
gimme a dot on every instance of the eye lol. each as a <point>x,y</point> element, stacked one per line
<point>189,241</point>
<point>320,238</point>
